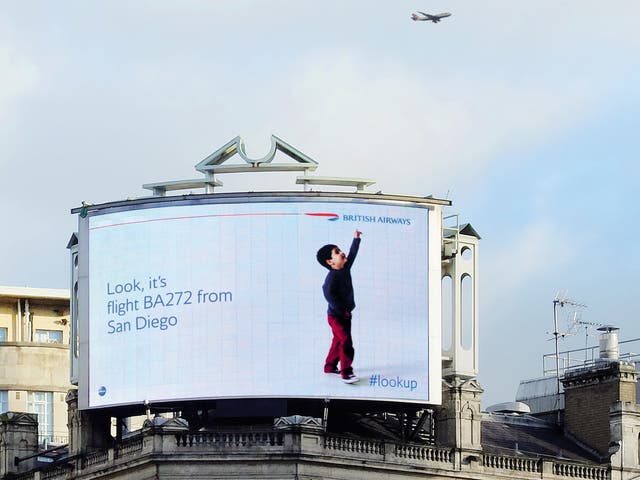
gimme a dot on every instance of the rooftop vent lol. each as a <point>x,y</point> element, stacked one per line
<point>509,407</point>
<point>608,341</point>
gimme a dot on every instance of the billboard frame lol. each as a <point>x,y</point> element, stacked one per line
<point>434,261</point>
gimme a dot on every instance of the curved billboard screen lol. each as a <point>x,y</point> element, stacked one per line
<point>230,300</point>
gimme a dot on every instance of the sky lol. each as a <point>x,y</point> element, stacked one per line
<point>523,114</point>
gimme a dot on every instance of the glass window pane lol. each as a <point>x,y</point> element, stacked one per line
<point>48,336</point>
<point>4,405</point>
<point>41,403</point>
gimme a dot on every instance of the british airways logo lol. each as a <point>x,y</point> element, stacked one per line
<point>332,217</point>
<point>376,219</point>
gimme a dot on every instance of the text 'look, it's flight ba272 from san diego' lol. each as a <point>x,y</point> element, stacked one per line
<point>426,17</point>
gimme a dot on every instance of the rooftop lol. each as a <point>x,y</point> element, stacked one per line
<point>32,292</point>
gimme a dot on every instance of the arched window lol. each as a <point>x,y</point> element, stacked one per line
<point>466,311</point>
<point>447,313</point>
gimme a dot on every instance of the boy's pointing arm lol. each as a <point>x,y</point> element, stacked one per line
<point>355,245</point>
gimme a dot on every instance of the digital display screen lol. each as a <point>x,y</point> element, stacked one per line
<point>226,300</point>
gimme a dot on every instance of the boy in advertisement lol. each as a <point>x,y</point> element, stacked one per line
<point>338,291</point>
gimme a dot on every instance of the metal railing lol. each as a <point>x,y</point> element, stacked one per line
<point>586,357</point>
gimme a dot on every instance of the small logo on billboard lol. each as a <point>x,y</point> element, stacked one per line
<point>332,217</point>
<point>102,391</point>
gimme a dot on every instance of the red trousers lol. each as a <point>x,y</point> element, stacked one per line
<point>341,349</point>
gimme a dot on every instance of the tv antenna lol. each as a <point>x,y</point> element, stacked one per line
<point>577,322</point>
<point>561,301</point>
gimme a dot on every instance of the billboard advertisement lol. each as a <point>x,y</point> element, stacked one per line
<point>231,300</point>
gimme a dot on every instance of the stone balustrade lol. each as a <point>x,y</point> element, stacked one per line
<point>514,463</point>
<point>355,446</point>
<point>230,439</point>
<point>95,458</point>
<point>424,454</point>
<point>572,470</point>
<point>159,446</point>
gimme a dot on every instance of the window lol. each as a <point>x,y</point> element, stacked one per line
<point>3,334</point>
<point>4,402</point>
<point>48,336</point>
<point>75,338</point>
<point>41,403</point>
<point>466,312</point>
<point>447,312</point>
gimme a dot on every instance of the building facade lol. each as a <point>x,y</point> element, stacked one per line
<point>34,357</point>
<point>596,436</point>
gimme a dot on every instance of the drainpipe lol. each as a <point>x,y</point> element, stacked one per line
<point>27,316</point>
<point>19,322</point>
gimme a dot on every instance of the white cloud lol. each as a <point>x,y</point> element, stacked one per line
<point>19,76</point>
<point>393,119</point>
<point>529,254</point>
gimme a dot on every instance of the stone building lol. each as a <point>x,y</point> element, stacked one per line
<point>595,436</point>
<point>348,441</point>
<point>34,357</point>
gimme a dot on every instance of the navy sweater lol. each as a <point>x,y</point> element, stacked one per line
<point>337,287</point>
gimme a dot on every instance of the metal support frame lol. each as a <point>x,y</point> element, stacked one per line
<point>215,164</point>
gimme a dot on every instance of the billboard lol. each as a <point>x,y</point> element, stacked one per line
<point>225,300</point>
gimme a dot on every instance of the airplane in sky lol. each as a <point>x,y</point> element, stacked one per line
<point>429,18</point>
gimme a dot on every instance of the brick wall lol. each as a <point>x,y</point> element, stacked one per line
<point>589,393</point>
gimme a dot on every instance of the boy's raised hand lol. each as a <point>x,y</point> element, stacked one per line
<point>357,234</point>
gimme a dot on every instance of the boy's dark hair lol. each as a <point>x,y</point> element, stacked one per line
<point>324,254</point>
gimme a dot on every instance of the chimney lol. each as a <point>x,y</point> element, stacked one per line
<point>591,391</point>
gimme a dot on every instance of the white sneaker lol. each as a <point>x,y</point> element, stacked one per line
<point>351,378</point>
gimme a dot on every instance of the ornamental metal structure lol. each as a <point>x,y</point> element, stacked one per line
<point>215,164</point>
